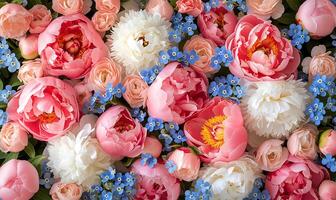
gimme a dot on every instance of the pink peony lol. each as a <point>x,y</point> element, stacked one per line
<point>297,179</point>
<point>155,183</point>
<point>70,46</point>
<point>119,134</point>
<point>327,142</point>
<point>19,180</point>
<point>13,137</point>
<point>83,93</point>
<point>152,146</point>
<point>260,52</point>
<point>47,107</point>
<point>161,7</point>
<point>190,7</point>
<point>28,46</point>
<point>177,93</point>
<point>217,24</point>
<point>14,21</point>
<point>318,17</point>
<point>41,18</point>
<point>327,190</point>
<point>217,131</point>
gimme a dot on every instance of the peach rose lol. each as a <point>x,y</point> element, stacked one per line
<point>190,7</point>
<point>14,21</point>
<point>321,62</point>
<point>104,72</point>
<point>65,191</point>
<point>271,155</point>
<point>103,20</point>
<point>41,18</point>
<point>161,7</point>
<point>205,49</point>
<point>187,164</point>
<point>302,142</point>
<point>13,138</point>
<point>136,91</point>
<point>30,70</point>
<point>28,46</point>
<point>108,5</point>
<point>266,8</point>
<point>152,146</point>
<point>68,7</point>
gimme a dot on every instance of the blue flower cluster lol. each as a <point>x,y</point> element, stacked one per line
<point>149,75</point>
<point>173,54</point>
<point>241,5</point>
<point>329,162</point>
<point>6,93</point>
<point>139,114</point>
<point>222,56</point>
<point>211,4</point>
<point>227,87</point>
<point>202,190</point>
<point>182,27</point>
<point>298,35</point>
<point>154,124</point>
<point>148,159</point>
<point>258,191</point>
<point>47,177</point>
<point>98,101</point>
<point>114,185</point>
<point>7,58</point>
<point>171,133</point>
<point>321,87</point>
<point>171,166</point>
<point>3,117</point>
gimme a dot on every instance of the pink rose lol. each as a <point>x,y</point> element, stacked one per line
<point>47,107</point>
<point>260,52</point>
<point>152,146</point>
<point>302,142</point>
<point>205,49</point>
<point>28,46</point>
<point>296,179</point>
<point>108,5</point>
<point>83,93</point>
<point>136,91</point>
<point>266,8</point>
<point>190,7</point>
<point>30,70</point>
<point>217,24</point>
<point>177,93</point>
<point>103,20</point>
<point>187,164</point>
<point>68,7</point>
<point>13,137</point>
<point>41,18</point>
<point>14,21</point>
<point>327,190</point>
<point>105,71</point>
<point>161,7</point>
<point>19,180</point>
<point>270,155</point>
<point>70,46</point>
<point>119,134</point>
<point>155,183</point>
<point>327,142</point>
<point>65,191</point>
<point>217,131</point>
<point>318,17</point>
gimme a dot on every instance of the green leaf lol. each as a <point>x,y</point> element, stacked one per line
<point>195,150</point>
<point>11,156</point>
<point>1,84</point>
<point>2,155</point>
<point>3,105</point>
<point>36,161</point>
<point>14,81</point>
<point>287,18</point>
<point>294,4</point>
<point>30,151</point>
<point>42,194</point>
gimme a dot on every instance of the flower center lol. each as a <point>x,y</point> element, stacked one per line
<point>145,43</point>
<point>213,131</point>
<point>47,117</point>
<point>268,46</point>
<point>220,20</point>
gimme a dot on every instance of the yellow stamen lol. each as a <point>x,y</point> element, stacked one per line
<point>213,131</point>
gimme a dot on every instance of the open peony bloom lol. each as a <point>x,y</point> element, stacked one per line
<point>155,183</point>
<point>296,179</point>
<point>217,131</point>
<point>217,24</point>
<point>119,134</point>
<point>70,46</point>
<point>181,92</point>
<point>260,52</point>
<point>19,180</point>
<point>47,107</point>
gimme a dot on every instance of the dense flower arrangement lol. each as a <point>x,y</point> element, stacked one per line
<point>168,99</point>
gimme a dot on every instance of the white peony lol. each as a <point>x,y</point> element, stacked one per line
<point>274,109</point>
<point>231,180</point>
<point>137,39</point>
<point>77,158</point>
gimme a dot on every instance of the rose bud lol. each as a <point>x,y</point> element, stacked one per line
<point>28,47</point>
<point>161,7</point>
<point>327,190</point>
<point>152,146</point>
<point>13,137</point>
<point>327,142</point>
